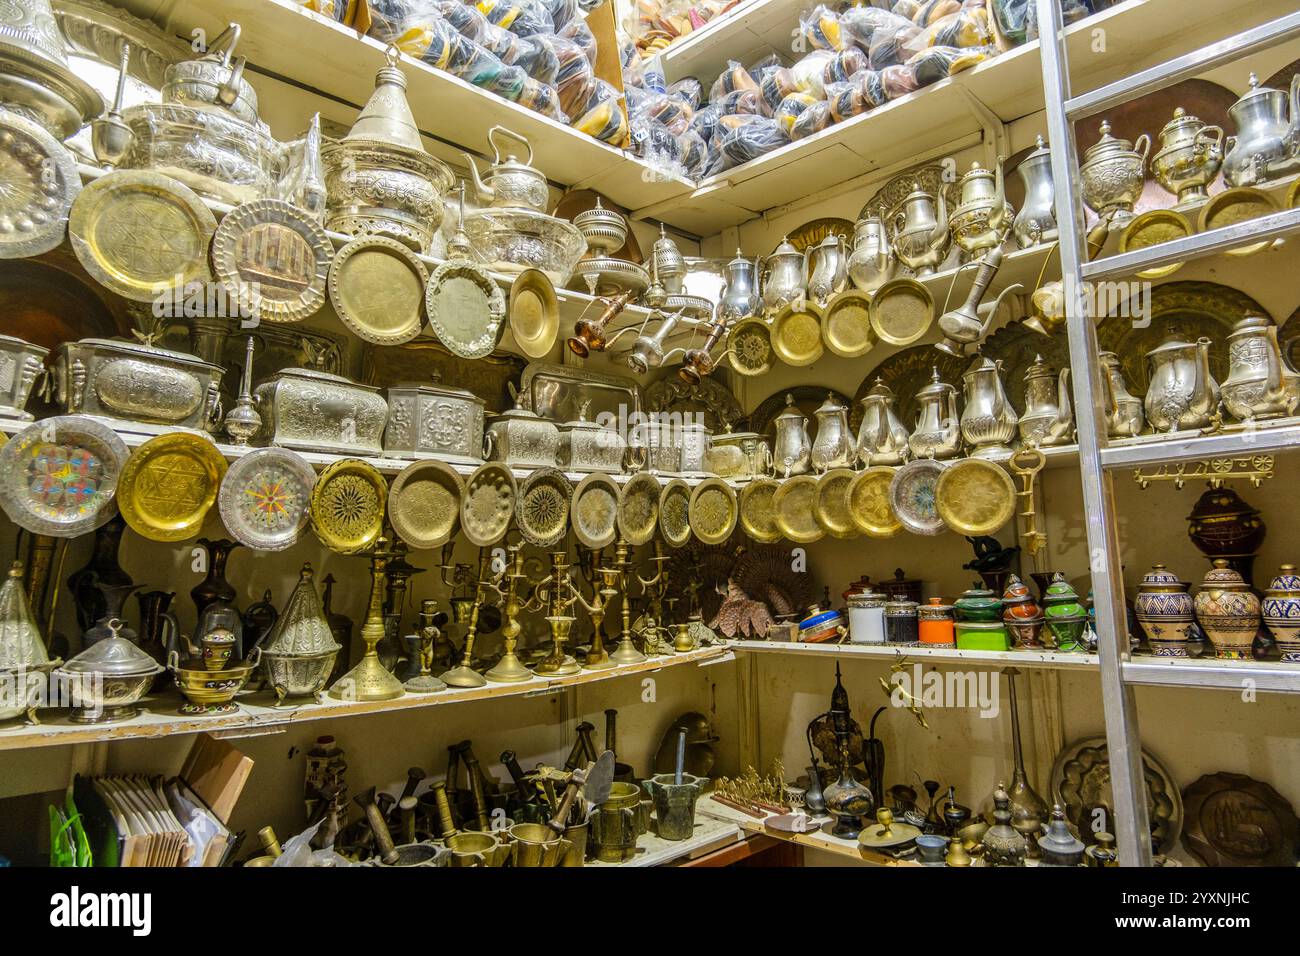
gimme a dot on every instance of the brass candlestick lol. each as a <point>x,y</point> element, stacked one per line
<point>370,680</point>
<point>652,633</point>
<point>510,669</point>
<point>463,675</point>
<point>626,652</point>
<point>425,682</point>
<point>598,658</point>
<point>559,594</point>
<point>559,664</point>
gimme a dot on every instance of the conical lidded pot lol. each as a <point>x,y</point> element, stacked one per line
<point>20,639</point>
<point>1228,611</point>
<point>300,651</point>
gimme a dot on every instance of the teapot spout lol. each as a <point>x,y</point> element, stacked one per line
<point>485,193</point>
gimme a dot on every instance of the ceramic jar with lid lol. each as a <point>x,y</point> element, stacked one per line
<point>1066,616</point>
<point>1112,173</point>
<point>979,621</point>
<point>1281,612</point>
<point>1165,611</point>
<point>866,618</point>
<point>977,603</point>
<point>1189,157</point>
<point>1223,525</point>
<point>1228,611</point>
<point>434,420</point>
<point>1022,615</point>
<point>935,624</point>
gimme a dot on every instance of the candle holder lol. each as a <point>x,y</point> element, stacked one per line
<point>370,680</point>
<point>510,669</point>
<point>598,658</point>
<point>430,632</point>
<point>626,652</point>
<point>559,664</point>
<point>463,675</point>
<point>558,594</point>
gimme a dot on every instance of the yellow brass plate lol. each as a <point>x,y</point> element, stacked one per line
<point>751,346</point>
<point>1237,205</point>
<point>542,511</point>
<point>831,506</point>
<point>638,508</point>
<point>376,286</point>
<point>424,503</point>
<point>867,498</point>
<point>595,510</point>
<point>846,324</point>
<point>713,511</point>
<point>273,259</point>
<point>488,504</point>
<point>1293,195</point>
<point>347,505</point>
<point>757,516</point>
<point>901,311</point>
<point>534,313</point>
<point>793,505</point>
<point>169,484</point>
<point>1151,228</point>
<point>141,234</point>
<point>975,497</point>
<point>797,334</point>
<point>675,512</point>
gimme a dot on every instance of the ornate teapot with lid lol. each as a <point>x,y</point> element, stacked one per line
<point>520,437</point>
<point>1182,394</point>
<point>509,183</point>
<point>980,219</point>
<point>783,280</point>
<point>1260,384</point>
<point>882,438</point>
<point>1047,419</point>
<point>833,447</point>
<point>1268,133</point>
<point>1036,221</point>
<point>668,263</point>
<point>740,293</point>
<point>827,267</point>
<point>921,231</point>
<point>792,449</point>
<point>1189,156</point>
<point>871,263</point>
<point>1112,173</point>
<point>988,421</point>
<point>937,432</point>
<point>1124,414</point>
<point>214,80</point>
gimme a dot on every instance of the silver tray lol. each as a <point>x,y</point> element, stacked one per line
<point>557,392</point>
<point>911,495</point>
<point>265,498</point>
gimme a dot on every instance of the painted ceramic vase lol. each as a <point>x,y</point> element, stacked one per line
<point>1165,611</point>
<point>1282,612</point>
<point>1022,615</point>
<point>1228,611</point>
<point>1067,618</point>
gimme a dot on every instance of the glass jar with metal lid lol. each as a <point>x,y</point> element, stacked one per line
<point>901,622</point>
<point>867,618</point>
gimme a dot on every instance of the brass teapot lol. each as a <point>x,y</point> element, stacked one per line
<point>921,232</point>
<point>979,222</point>
<point>1048,419</point>
<point>937,432</point>
<point>1260,383</point>
<point>1268,133</point>
<point>988,422</point>
<point>1189,157</point>
<point>509,183</point>
<point>1125,417</point>
<point>882,438</point>
<point>1183,393</point>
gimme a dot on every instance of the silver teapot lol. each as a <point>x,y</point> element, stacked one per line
<point>1260,383</point>
<point>740,293</point>
<point>668,263</point>
<point>1189,157</point>
<point>980,219</point>
<point>1113,172</point>
<point>1125,417</point>
<point>509,183</point>
<point>1182,394</point>
<point>882,438</point>
<point>1268,133</point>
<point>783,278</point>
<point>1048,419</point>
<point>937,432</point>
<point>792,449</point>
<point>827,268</point>
<point>1036,221</point>
<point>988,422</point>
<point>214,80</point>
<point>872,262</point>
<point>921,232</point>
<point>833,447</point>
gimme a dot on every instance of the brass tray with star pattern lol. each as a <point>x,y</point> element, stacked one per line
<point>348,504</point>
<point>542,509</point>
<point>638,508</point>
<point>169,484</point>
<point>488,504</point>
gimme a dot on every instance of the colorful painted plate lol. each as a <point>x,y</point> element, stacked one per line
<point>794,506</point>
<point>347,506</point>
<point>638,508</point>
<point>59,476</point>
<point>169,485</point>
<point>831,504</point>
<point>797,334</point>
<point>595,510</point>
<point>868,502</point>
<point>713,511</point>
<point>912,496</point>
<point>542,510</point>
<point>757,515</point>
<point>488,504</point>
<point>534,313</point>
<point>675,513</point>
<point>975,497</point>
<point>846,324</point>
<point>265,498</point>
<point>376,286</point>
<point>424,503</point>
<point>901,311</point>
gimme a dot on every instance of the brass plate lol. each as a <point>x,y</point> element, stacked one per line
<point>488,504</point>
<point>902,311</point>
<point>751,347</point>
<point>846,324</point>
<point>424,503</point>
<point>265,498</point>
<point>141,234</point>
<point>912,496</point>
<point>534,313</point>
<point>638,508</point>
<point>169,484</point>
<point>713,511</point>
<point>376,286</point>
<point>1293,195</point>
<point>595,510</point>
<point>40,183</point>
<point>867,498</point>
<point>1151,228</point>
<point>757,516</point>
<point>59,476</point>
<point>975,497</point>
<point>797,334</point>
<point>542,510</point>
<point>466,308</point>
<point>272,259</point>
<point>1237,205</point>
<point>793,507</point>
<point>831,505</point>
<point>675,513</point>
<point>347,505</point>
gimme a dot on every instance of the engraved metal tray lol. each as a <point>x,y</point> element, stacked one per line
<point>558,392</point>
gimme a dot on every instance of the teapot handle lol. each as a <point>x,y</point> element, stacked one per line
<point>1212,135</point>
<point>1143,146</point>
<point>509,134</point>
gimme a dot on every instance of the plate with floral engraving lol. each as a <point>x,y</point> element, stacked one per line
<point>638,508</point>
<point>347,506</point>
<point>424,503</point>
<point>488,504</point>
<point>831,503</point>
<point>797,334</point>
<point>376,286</point>
<point>675,512</point>
<point>912,495</point>
<point>868,501</point>
<point>169,485</point>
<point>713,511</point>
<point>751,347</point>
<point>273,259</point>
<point>595,510</point>
<point>59,476</point>
<point>757,514</point>
<point>542,509</point>
<point>794,506</point>
<point>265,498</point>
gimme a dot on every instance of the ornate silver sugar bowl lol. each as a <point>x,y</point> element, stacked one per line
<point>1112,173</point>
<point>1189,157</point>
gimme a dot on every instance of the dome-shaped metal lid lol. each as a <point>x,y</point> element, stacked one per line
<point>387,116</point>
<point>302,630</point>
<point>20,639</point>
<point>113,657</point>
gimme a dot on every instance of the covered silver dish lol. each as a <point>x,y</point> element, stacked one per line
<point>299,653</point>
<point>23,658</point>
<point>590,446</point>
<point>21,363</point>
<point>521,438</point>
<point>434,420</point>
<point>311,410</point>
<point>106,681</point>
<point>738,455</point>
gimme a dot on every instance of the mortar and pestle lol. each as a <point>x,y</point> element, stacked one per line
<point>674,796</point>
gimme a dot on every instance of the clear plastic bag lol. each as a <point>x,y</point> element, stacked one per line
<point>932,11</point>
<point>297,851</point>
<point>861,23</point>
<point>821,29</point>
<point>890,46</point>
<point>743,101</point>
<point>734,77</point>
<point>521,17</point>
<point>790,108</point>
<point>750,140</point>
<point>812,120</point>
<point>872,88</point>
<point>690,89</point>
<point>705,122</point>
<point>967,27</point>
<point>906,8</point>
<point>846,100</point>
<point>899,80</point>
<point>578,31</point>
<point>604,118</point>
<point>1071,10</point>
<point>809,73</point>
<point>843,65</point>
<point>776,84</point>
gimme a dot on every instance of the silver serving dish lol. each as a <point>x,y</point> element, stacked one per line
<point>560,392</point>
<point>133,382</point>
<point>604,230</point>
<point>606,276</point>
<point>434,421</point>
<point>312,410</point>
<point>589,446</point>
<point>59,476</point>
<point>265,498</point>
<point>106,681</point>
<point>512,240</point>
<point>21,363</point>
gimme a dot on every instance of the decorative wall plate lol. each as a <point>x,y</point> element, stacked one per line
<point>675,513</point>
<point>1293,195</point>
<point>376,285</point>
<point>273,259</point>
<point>169,484</point>
<point>846,324</point>
<point>1233,820</point>
<point>41,182</point>
<point>902,311</point>
<point>975,497</point>
<point>542,510</point>
<point>265,498</point>
<point>794,507</point>
<point>488,504</point>
<point>594,514</point>
<point>1233,206</point>
<point>534,313</point>
<point>424,503</point>
<point>750,342</point>
<point>757,513</point>
<point>466,308</point>
<point>347,505</point>
<point>831,504</point>
<point>713,511</point>
<point>1151,228</point>
<point>797,334</point>
<point>867,498</point>
<point>912,496</point>
<point>141,234</point>
<point>59,476</point>
<point>638,508</point>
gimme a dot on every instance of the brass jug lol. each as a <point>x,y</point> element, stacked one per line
<point>1047,419</point>
<point>937,432</point>
<point>1125,417</point>
<point>1260,384</point>
<point>921,232</point>
<point>882,438</point>
<point>988,422</point>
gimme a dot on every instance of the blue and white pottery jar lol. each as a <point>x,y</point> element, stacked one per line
<point>1282,612</point>
<point>1165,611</point>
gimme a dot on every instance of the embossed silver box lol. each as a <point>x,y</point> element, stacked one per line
<point>588,446</point>
<point>133,382</point>
<point>309,410</point>
<point>434,421</point>
<point>20,365</point>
